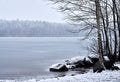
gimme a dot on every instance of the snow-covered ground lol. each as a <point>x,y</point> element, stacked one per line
<point>105,76</point>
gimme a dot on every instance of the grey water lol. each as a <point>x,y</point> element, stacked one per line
<point>31,57</point>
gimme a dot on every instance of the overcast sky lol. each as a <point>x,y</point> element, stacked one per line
<point>29,10</point>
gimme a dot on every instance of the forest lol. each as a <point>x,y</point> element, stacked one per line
<point>20,28</point>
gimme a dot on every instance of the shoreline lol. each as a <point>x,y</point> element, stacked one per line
<point>105,76</point>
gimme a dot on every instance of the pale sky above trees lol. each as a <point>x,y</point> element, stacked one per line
<point>29,10</point>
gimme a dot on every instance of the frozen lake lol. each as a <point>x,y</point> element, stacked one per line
<point>31,57</point>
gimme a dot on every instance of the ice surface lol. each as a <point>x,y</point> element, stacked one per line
<point>31,56</point>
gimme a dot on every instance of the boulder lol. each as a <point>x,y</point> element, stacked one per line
<point>75,62</point>
<point>58,68</point>
<point>108,64</point>
<point>93,58</point>
<point>79,64</point>
<point>98,67</point>
<point>115,68</point>
<point>81,61</point>
<point>87,62</point>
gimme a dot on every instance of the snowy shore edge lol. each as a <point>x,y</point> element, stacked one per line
<point>105,76</point>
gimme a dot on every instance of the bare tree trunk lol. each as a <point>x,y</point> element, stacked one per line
<point>118,22</point>
<point>116,6</point>
<point>115,32</point>
<point>97,3</point>
<point>119,36</point>
<point>107,50</point>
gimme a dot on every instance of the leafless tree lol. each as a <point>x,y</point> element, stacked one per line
<point>101,17</point>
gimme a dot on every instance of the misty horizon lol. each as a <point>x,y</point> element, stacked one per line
<point>41,10</point>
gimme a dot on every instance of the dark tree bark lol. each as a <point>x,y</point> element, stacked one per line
<point>97,3</point>
<point>115,32</point>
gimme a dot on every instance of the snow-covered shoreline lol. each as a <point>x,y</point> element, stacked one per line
<point>105,76</point>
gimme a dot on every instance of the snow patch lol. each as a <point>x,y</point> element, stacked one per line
<point>57,66</point>
<point>106,58</point>
<point>75,59</point>
<point>88,59</point>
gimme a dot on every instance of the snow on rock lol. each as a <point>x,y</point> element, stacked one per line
<point>117,64</point>
<point>93,56</point>
<point>106,58</point>
<point>75,62</point>
<point>75,59</point>
<point>81,61</point>
<point>105,76</point>
<point>88,59</point>
<point>58,67</point>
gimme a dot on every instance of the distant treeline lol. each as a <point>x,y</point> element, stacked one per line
<point>18,28</point>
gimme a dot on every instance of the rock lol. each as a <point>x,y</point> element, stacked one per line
<point>58,68</point>
<point>75,62</point>
<point>79,64</point>
<point>93,58</point>
<point>98,67</point>
<point>87,62</point>
<point>115,68</point>
<point>81,61</point>
<point>108,64</point>
<point>81,70</point>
